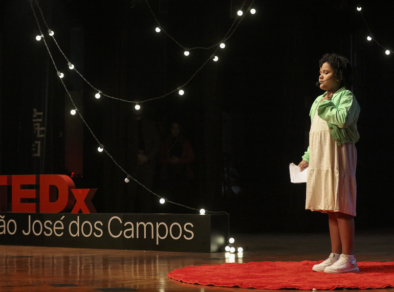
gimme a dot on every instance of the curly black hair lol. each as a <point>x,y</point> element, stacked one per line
<point>341,66</point>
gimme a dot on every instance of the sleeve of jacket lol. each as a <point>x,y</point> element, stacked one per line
<point>342,115</point>
<point>306,155</point>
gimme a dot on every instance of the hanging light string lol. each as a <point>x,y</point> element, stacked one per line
<point>370,37</point>
<point>226,37</point>
<point>100,92</point>
<point>229,35</point>
<point>98,141</point>
<point>187,82</point>
<point>54,64</point>
<point>68,61</point>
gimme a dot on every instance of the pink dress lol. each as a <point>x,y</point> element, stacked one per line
<point>331,180</point>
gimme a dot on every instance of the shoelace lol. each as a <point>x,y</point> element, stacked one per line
<point>343,260</point>
<point>329,260</point>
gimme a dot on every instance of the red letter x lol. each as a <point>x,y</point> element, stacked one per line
<point>84,198</point>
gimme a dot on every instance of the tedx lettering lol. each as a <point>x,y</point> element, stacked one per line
<point>48,193</point>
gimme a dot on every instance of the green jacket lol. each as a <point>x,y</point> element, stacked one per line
<point>341,114</point>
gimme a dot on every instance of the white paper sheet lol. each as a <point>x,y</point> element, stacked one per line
<point>296,175</point>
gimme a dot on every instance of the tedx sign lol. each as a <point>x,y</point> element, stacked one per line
<point>39,204</point>
<point>46,193</point>
<point>161,232</point>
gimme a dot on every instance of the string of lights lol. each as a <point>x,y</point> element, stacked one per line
<point>370,37</point>
<point>101,146</point>
<point>160,28</point>
<point>179,89</point>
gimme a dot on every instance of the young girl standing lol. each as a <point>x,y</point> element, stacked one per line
<point>332,159</point>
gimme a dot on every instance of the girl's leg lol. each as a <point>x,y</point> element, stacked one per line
<point>346,230</point>
<point>336,245</point>
<point>347,263</point>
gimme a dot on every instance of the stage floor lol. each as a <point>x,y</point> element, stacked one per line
<point>66,269</point>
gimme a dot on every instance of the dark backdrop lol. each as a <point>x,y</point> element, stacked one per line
<point>248,112</point>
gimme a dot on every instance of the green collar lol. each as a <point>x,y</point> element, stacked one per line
<point>338,91</point>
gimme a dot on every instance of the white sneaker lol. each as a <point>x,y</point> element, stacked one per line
<point>328,262</point>
<point>343,265</point>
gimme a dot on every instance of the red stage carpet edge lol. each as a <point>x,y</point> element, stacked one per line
<point>286,275</point>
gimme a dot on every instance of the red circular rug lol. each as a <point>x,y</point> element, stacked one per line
<point>286,275</point>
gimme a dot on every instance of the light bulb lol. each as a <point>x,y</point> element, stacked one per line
<point>369,38</point>
<point>240,249</point>
<point>240,13</point>
<point>126,180</point>
<point>231,240</point>
<point>50,32</point>
<point>227,248</point>
<point>388,52</point>
<point>71,66</point>
<point>73,112</point>
<point>97,95</point>
<point>359,8</point>
<point>162,201</point>
<point>60,74</point>
<point>222,45</point>
<point>202,211</point>
<point>100,148</point>
<point>181,92</point>
<point>215,59</point>
<point>232,249</point>
<point>137,107</point>
<point>157,29</point>
<point>186,53</point>
<point>38,38</point>
<point>253,11</point>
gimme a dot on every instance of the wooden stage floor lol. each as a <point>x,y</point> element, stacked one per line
<point>65,269</point>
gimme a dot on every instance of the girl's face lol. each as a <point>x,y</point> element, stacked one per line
<point>332,82</point>
<point>175,130</point>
